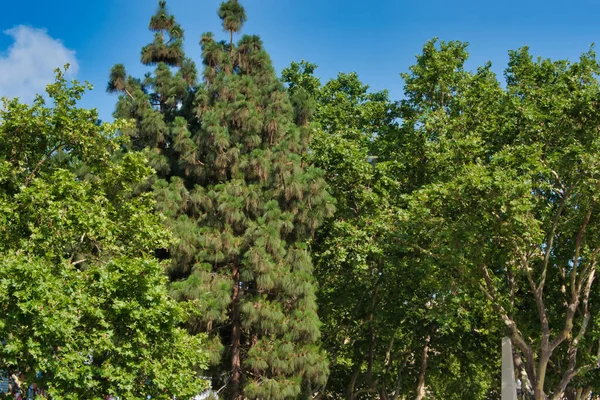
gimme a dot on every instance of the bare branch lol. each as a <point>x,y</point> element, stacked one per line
<point>516,335</point>
<point>511,284</point>
<point>588,268</point>
<point>550,237</point>
<point>567,377</point>
<point>539,302</point>
<point>578,243</point>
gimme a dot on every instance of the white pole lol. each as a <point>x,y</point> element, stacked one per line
<point>509,386</point>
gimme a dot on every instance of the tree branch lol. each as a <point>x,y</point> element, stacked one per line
<point>550,238</point>
<point>570,374</point>
<point>516,335</point>
<point>575,291</point>
<point>129,94</point>
<point>578,243</point>
<point>41,162</point>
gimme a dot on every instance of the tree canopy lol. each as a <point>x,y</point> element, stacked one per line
<point>275,237</point>
<point>243,205</point>
<point>86,312</point>
<point>510,202</point>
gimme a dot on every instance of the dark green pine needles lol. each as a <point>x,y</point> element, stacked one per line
<point>240,199</point>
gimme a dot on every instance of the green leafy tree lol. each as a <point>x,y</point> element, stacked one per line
<point>85,307</point>
<point>242,202</point>
<point>390,319</point>
<point>510,204</point>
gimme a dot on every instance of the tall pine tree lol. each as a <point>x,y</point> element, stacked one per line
<point>241,200</point>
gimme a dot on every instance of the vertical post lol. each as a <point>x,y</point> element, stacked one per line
<point>509,386</point>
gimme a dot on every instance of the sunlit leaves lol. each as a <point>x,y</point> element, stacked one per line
<point>85,305</point>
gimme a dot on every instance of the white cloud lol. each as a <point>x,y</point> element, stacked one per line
<point>27,66</point>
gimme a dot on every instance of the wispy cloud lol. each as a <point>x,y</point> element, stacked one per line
<point>27,66</point>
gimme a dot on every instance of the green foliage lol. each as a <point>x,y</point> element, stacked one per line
<point>465,212</point>
<point>83,303</point>
<point>243,206</point>
<point>510,205</point>
<point>380,301</point>
<point>233,15</point>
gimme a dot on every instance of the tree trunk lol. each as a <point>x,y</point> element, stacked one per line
<point>578,393</point>
<point>352,384</point>
<point>236,334</point>
<point>538,389</point>
<point>401,367</point>
<point>423,371</point>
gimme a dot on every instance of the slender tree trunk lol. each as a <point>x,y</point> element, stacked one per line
<point>401,367</point>
<point>526,385</point>
<point>352,384</point>
<point>585,394</point>
<point>236,334</point>
<point>578,394</point>
<point>423,371</point>
<point>371,348</point>
<point>538,390</point>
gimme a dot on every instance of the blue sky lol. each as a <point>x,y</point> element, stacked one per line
<point>378,40</point>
